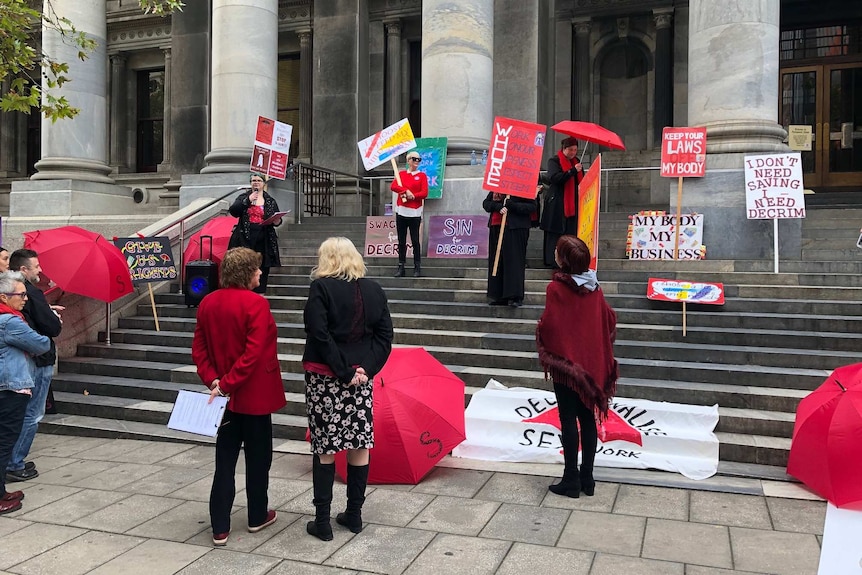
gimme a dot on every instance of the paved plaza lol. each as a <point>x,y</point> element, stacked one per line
<point>124,507</point>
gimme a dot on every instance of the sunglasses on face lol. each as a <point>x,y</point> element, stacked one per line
<point>414,159</point>
<point>22,294</point>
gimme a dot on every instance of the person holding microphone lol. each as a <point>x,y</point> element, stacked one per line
<point>253,207</point>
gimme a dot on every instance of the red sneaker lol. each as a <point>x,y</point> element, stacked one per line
<point>271,516</point>
<point>220,539</point>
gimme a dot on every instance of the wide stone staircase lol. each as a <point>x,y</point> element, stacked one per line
<point>776,338</point>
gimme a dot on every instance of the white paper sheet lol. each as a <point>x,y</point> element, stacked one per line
<point>841,552</point>
<point>276,216</point>
<point>192,413</point>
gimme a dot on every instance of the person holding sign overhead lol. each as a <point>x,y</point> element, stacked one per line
<point>507,286</point>
<point>560,212</point>
<point>234,349</point>
<point>254,208</point>
<point>411,193</point>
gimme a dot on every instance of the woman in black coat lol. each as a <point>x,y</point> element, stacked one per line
<point>507,287</point>
<point>252,208</point>
<point>560,211</point>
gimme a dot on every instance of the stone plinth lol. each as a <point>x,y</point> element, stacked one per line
<point>69,198</point>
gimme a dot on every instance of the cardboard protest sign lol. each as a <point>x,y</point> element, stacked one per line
<point>691,292</point>
<point>433,152</point>
<point>523,424</point>
<point>652,237</point>
<point>515,157</point>
<point>683,152</point>
<point>589,195</point>
<point>381,238</point>
<point>271,148</point>
<point>386,144</point>
<point>149,259</point>
<point>773,186</point>
<point>458,237</point>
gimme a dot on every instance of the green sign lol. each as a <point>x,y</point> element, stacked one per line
<point>433,152</point>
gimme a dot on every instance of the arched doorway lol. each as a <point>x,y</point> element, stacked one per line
<point>623,90</point>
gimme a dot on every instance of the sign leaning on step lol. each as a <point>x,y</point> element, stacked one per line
<point>653,237</point>
<point>458,237</point>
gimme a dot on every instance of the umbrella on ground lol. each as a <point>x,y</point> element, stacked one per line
<point>418,417</point>
<point>81,262</point>
<point>826,451</point>
<point>590,132</point>
<point>219,229</point>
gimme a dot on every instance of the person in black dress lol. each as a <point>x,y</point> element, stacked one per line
<point>252,208</point>
<point>560,209</point>
<point>507,286</point>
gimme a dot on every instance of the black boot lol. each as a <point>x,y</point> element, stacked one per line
<point>570,484</point>
<point>399,273</point>
<point>417,270</point>
<point>357,479</point>
<point>322,476</point>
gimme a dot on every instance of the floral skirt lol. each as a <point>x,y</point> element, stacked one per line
<point>339,416</point>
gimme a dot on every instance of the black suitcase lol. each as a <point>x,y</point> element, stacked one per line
<point>201,277</point>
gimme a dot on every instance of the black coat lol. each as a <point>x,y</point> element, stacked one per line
<point>554,219</point>
<point>242,231</point>
<point>519,210</point>
<point>43,320</point>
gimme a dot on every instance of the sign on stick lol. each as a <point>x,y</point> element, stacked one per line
<point>271,148</point>
<point>515,157</point>
<point>773,187</point>
<point>386,144</point>
<point>683,152</point>
<point>149,259</point>
<point>589,194</point>
<point>433,153</point>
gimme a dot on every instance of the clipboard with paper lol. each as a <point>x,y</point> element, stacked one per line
<point>274,217</point>
<point>193,413</point>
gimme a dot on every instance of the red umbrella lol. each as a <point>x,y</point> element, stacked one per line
<point>220,229</point>
<point>590,132</point>
<point>418,417</point>
<point>826,451</point>
<point>81,262</point>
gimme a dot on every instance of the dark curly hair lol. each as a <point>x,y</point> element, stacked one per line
<point>573,255</point>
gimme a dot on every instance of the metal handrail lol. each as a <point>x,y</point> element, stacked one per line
<point>363,187</point>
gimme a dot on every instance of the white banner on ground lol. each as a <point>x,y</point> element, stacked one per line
<point>522,424</point>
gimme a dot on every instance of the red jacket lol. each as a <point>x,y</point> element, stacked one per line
<point>235,341</point>
<point>416,182</point>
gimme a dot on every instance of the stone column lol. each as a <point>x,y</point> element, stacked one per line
<point>244,79</point>
<point>119,111</point>
<point>393,71</point>
<point>457,74</point>
<point>582,91</point>
<point>663,71</point>
<point>165,166</point>
<point>306,72</point>
<point>8,137</point>
<point>76,149</point>
<point>733,91</point>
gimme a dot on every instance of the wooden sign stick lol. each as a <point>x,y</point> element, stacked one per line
<point>153,303</point>
<point>500,240</point>
<point>678,217</point>
<point>397,172</point>
<point>683,316</point>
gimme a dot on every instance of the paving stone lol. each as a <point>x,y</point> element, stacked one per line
<point>602,501</point>
<point>512,488</point>
<point>10,525</point>
<point>394,508</point>
<point>729,509</point>
<point>797,515</point>
<point>588,531</point>
<point>774,552</point>
<point>700,570</point>
<point>226,562</point>
<point>80,555</point>
<point>197,456</point>
<point>645,501</point>
<point>382,549</point>
<point>167,480</point>
<point>293,542</point>
<point>302,503</point>
<point>456,555</point>
<point>453,482</point>
<point>527,524</point>
<point>297,568</point>
<point>283,490</point>
<point>685,542</point>
<point>179,523</point>
<point>290,466</point>
<point>80,470</point>
<point>134,451</point>
<point>119,475</point>
<point>616,564</point>
<point>153,557</point>
<point>69,509</point>
<point>240,539</point>
<point>200,490</point>
<point>38,494</point>
<point>32,541</point>
<point>47,463</point>
<point>64,446</point>
<point>455,515</point>
<point>128,513</point>
<point>541,560</point>
<point>50,441</point>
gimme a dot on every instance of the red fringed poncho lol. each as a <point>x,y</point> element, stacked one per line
<point>575,340</point>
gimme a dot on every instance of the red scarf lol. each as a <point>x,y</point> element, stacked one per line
<point>6,309</point>
<point>570,195</point>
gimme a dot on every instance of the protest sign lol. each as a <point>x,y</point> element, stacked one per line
<point>685,292</point>
<point>458,237</point>
<point>149,260</point>
<point>773,186</point>
<point>433,153</point>
<point>652,237</point>
<point>386,144</point>
<point>683,152</point>
<point>523,424</point>
<point>515,157</point>
<point>271,148</point>
<point>381,238</point>
<point>589,194</point>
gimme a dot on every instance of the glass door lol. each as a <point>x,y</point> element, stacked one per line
<point>802,106</point>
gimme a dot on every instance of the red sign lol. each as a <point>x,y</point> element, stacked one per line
<point>683,291</point>
<point>265,128</point>
<point>515,157</point>
<point>588,209</point>
<point>683,152</point>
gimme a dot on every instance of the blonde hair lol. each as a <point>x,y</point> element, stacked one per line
<point>338,258</point>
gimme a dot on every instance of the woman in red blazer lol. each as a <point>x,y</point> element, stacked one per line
<point>234,349</point>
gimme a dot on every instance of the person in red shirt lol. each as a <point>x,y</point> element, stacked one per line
<point>234,349</point>
<point>408,211</point>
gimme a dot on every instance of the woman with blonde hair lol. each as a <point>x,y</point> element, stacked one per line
<point>348,339</point>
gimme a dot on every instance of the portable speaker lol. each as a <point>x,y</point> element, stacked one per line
<point>201,278</point>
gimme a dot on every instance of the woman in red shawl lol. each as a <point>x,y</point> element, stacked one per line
<point>575,341</point>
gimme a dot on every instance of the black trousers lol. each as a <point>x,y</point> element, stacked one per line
<point>402,224</point>
<point>508,284</point>
<point>573,412</point>
<point>254,434</point>
<point>13,406</point>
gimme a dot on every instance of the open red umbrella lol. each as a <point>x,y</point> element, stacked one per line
<point>418,417</point>
<point>590,132</point>
<point>826,450</point>
<point>81,262</point>
<point>219,229</point>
